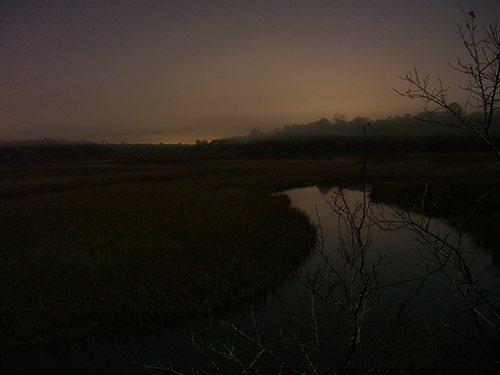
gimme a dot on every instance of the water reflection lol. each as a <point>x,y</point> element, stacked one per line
<point>291,311</point>
<point>404,249</point>
<point>429,272</point>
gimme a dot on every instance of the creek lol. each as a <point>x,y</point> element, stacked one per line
<point>404,257</point>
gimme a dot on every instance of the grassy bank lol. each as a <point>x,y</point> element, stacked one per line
<point>130,254</point>
<point>459,188</point>
<point>98,244</point>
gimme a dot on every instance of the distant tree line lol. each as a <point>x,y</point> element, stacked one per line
<point>49,149</point>
<point>393,134</point>
<point>23,152</point>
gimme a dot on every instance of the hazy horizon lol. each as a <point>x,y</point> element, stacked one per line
<point>177,71</point>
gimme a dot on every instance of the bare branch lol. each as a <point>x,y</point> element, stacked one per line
<point>482,73</point>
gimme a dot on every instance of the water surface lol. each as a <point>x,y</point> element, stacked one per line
<point>404,257</point>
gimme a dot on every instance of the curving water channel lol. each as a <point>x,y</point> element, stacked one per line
<point>293,312</point>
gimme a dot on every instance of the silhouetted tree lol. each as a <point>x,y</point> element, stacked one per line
<point>482,71</point>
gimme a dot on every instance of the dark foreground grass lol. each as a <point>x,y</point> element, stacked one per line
<point>133,242</point>
<point>131,254</point>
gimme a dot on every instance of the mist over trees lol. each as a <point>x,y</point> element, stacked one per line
<point>406,133</point>
<point>394,134</point>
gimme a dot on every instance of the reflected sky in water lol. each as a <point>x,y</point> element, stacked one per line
<point>404,258</point>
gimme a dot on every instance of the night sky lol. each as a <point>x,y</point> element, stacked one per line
<point>177,71</point>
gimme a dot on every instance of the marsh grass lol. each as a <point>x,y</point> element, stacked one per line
<point>138,253</point>
<point>130,242</point>
<point>471,206</point>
